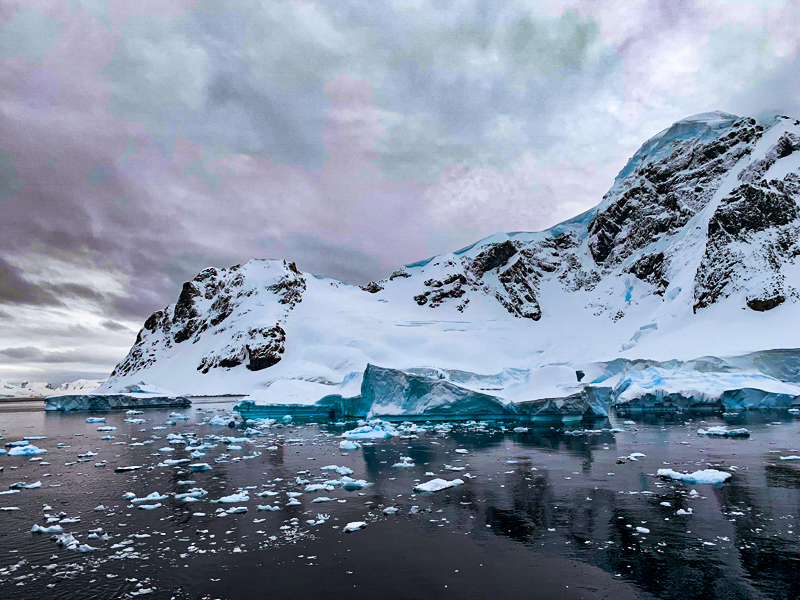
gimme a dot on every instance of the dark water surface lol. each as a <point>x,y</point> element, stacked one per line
<point>545,514</point>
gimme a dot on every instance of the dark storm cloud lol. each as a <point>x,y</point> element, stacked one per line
<point>144,141</point>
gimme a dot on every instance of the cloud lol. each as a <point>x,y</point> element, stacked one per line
<point>144,141</point>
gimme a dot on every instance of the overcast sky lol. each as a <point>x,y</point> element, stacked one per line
<point>142,141</point>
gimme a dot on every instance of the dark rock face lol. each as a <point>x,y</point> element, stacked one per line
<point>497,255</point>
<point>765,304</point>
<point>660,197</point>
<point>651,268</point>
<point>757,225</point>
<point>265,348</point>
<point>372,287</point>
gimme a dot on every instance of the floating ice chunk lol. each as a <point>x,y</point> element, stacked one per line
<point>219,420</point>
<point>405,463</point>
<point>377,430</point>
<point>705,476</point>
<point>322,499</point>
<point>268,507</point>
<point>126,469</point>
<point>390,510</point>
<point>149,498</point>
<point>107,428</point>
<point>629,422</point>
<point>197,454</point>
<point>720,431</point>
<point>100,508</point>
<point>437,485</point>
<point>520,430</point>
<point>462,451</point>
<point>150,506</point>
<point>354,526</point>
<point>349,445</point>
<point>50,529</point>
<point>26,450</point>
<point>634,456</point>
<point>642,530</point>
<point>790,457</point>
<point>680,511</point>
<point>339,470</point>
<point>96,420</point>
<point>197,467</point>
<point>348,483</point>
<point>319,487</point>
<point>236,510</point>
<point>238,497</point>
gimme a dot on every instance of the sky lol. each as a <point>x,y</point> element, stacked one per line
<point>143,141</point>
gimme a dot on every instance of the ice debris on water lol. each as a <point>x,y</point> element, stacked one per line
<point>437,485</point>
<point>374,430</point>
<point>349,445</point>
<point>354,526</point>
<point>711,476</point>
<point>26,450</point>
<point>720,431</point>
<point>405,462</point>
<point>197,467</point>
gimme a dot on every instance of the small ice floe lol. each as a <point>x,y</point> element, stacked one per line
<point>319,487</point>
<point>100,508</point>
<point>167,449</point>
<point>322,499</point>
<point>50,529</point>
<point>134,421</point>
<point>629,422</point>
<point>405,463</point>
<point>126,469</point>
<point>437,485</point>
<point>642,530</point>
<point>268,507</point>
<point>704,476</point>
<point>236,510</point>
<point>197,467</point>
<point>26,450</point>
<point>375,430</point>
<point>720,431</point>
<point>153,497</point>
<point>339,470</point>
<point>25,486</point>
<point>179,416</point>
<point>634,456</point>
<point>462,451</point>
<point>107,428</point>
<point>96,420</point>
<point>683,512</point>
<point>238,497</point>
<point>197,454</point>
<point>134,412</point>
<point>149,506</point>
<point>348,445</point>
<point>354,526</point>
<point>348,483</point>
<point>321,518</point>
<point>293,502</point>
<point>68,541</point>
<point>219,420</point>
<point>390,510</point>
<point>193,494</point>
<point>790,457</point>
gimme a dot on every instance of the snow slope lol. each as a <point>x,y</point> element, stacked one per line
<point>693,252</point>
<point>37,389</point>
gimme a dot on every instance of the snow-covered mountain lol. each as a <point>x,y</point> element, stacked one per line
<point>693,252</point>
<point>38,389</point>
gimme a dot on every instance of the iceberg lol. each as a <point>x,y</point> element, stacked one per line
<point>139,395</point>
